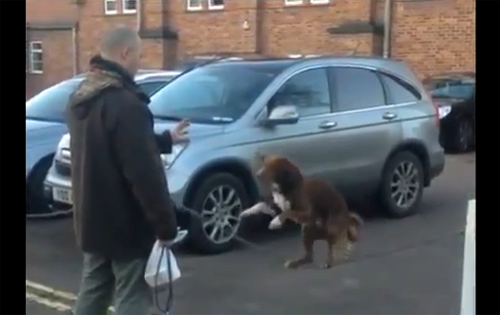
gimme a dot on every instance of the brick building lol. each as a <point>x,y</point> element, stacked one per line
<point>432,35</point>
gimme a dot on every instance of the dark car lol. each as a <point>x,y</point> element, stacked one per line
<point>455,96</point>
<point>45,126</point>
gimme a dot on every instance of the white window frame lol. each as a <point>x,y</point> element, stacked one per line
<point>319,1</point>
<point>126,11</point>
<point>211,6</point>
<point>294,2</point>
<point>194,8</point>
<point>32,52</point>
<point>110,12</point>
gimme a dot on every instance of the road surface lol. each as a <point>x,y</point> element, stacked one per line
<point>408,266</point>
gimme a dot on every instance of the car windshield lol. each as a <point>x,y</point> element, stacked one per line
<point>50,104</point>
<point>213,94</point>
<point>451,88</point>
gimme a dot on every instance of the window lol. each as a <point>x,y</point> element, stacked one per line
<point>215,4</point>
<point>224,93</point>
<point>110,7</point>
<point>319,1</point>
<point>308,90</point>
<point>36,57</point>
<point>357,89</point>
<point>293,2</point>
<point>129,6</point>
<point>27,56</point>
<point>398,91</point>
<point>194,5</point>
<point>151,87</point>
<point>461,88</point>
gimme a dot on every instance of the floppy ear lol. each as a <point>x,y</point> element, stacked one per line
<point>288,178</point>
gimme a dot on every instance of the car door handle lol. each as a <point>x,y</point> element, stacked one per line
<point>389,116</point>
<point>327,124</point>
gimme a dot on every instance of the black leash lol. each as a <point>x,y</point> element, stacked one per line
<point>165,251</point>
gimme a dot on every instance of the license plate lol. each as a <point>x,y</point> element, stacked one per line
<point>62,195</point>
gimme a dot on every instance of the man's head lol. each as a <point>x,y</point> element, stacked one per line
<point>122,45</point>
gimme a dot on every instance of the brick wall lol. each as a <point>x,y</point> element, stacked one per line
<point>432,35</point>
<point>435,36</point>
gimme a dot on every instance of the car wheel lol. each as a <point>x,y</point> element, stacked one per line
<point>463,137</point>
<point>402,185</point>
<point>37,204</point>
<point>219,200</point>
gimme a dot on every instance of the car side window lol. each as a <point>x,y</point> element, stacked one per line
<point>307,90</point>
<point>150,87</point>
<point>357,89</point>
<point>398,91</point>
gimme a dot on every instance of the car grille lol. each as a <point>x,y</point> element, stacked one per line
<point>63,168</point>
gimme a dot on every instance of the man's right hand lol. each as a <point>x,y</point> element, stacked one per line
<point>180,132</point>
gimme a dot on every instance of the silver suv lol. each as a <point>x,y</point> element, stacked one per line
<point>365,124</point>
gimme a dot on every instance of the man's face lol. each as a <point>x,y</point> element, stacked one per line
<point>131,57</point>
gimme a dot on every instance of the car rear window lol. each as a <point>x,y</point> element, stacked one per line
<point>358,89</point>
<point>398,91</point>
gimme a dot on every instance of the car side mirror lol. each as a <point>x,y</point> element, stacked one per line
<point>282,115</point>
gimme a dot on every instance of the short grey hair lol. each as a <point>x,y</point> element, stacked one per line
<point>119,37</point>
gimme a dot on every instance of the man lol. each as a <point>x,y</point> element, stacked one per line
<point>121,198</point>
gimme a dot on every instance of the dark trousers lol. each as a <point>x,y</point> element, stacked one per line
<point>106,281</point>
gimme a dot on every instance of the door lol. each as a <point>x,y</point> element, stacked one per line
<point>303,142</point>
<point>367,128</point>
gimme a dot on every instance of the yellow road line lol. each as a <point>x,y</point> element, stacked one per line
<point>50,291</point>
<point>47,302</point>
<point>55,294</point>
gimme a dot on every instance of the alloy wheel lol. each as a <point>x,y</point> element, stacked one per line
<point>220,214</point>
<point>405,184</point>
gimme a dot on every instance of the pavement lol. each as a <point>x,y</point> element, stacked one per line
<point>407,266</point>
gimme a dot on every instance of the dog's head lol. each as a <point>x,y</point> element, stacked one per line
<point>280,171</point>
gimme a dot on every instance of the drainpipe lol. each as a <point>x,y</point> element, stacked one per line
<point>387,29</point>
<point>138,15</point>
<point>74,35</point>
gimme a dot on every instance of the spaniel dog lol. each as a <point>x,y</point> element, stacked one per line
<point>314,204</point>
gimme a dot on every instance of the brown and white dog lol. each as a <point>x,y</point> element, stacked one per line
<point>315,204</point>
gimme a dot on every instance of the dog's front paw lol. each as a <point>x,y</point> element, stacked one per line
<point>291,264</point>
<point>275,224</point>
<point>246,213</point>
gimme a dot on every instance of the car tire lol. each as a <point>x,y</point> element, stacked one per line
<point>37,204</point>
<point>463,136</point>
<point>403,171</point>
<point>199,237</point>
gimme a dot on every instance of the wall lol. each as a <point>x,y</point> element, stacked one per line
<point>432,35</point>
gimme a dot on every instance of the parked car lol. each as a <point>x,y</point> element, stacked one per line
<point>45,125</point>
<point>455,95</point>
<point>365,124</point>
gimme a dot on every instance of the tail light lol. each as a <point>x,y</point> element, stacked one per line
<point>435,106</point>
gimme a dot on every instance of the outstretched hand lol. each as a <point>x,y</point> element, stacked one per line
<point>180,133</point>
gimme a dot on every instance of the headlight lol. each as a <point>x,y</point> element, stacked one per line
<point>169,159</point>
<point>63,152</point>
<point>443,111</point>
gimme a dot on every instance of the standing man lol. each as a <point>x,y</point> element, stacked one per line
<point>121,199</point>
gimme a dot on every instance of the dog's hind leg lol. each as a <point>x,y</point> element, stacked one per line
<point>339,249</point>
<point>308,239</point>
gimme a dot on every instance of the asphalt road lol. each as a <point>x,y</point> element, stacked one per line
<point>408,266</point>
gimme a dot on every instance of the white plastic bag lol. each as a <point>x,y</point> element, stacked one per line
<point>157,272</point>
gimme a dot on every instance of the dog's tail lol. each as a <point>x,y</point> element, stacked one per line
<point>355,222</point>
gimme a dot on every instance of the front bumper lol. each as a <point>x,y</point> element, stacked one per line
<point>177,183</point>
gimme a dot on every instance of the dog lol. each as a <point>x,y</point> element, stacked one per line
<point>314,204</point>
